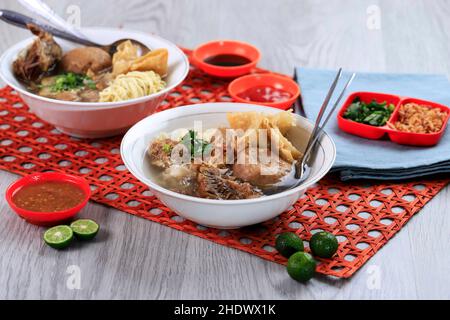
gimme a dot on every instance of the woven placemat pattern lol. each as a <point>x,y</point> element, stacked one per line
<point>363,216</point>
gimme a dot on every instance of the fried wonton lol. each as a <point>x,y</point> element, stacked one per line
<point>126,59</point>
<point>156,61</point>
<point>277,126</point>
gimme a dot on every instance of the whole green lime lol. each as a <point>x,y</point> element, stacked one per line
<point>323,244</point>
<point>288,243</point>
<point>301,266</point>
<point>58,237</point>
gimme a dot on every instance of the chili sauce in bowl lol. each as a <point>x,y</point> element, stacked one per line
<point>265,94</point>
<point>48,198</point>
<point>265,89</point>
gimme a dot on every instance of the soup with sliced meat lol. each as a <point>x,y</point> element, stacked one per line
<point>89,74</point>
<point>249,159</point>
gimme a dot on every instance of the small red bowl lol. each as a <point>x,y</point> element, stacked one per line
<point>417,139</point>
<point>400,137</point>
<point>47,218</point>
<point>218,47</point>
<point>361,129</point>
<point>244,83</point>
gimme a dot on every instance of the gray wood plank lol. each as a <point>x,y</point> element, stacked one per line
<point>137,259</point>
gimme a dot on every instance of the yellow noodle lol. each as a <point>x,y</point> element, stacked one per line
<point>132,85</point>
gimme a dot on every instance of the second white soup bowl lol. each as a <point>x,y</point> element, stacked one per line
<point>97,119</point>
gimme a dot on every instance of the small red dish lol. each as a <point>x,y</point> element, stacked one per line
<point>226,47</point>
<point>47,218</point>
<point>283,83</point>
<point>400,137</point>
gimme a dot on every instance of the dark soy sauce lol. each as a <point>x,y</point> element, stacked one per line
<point>227,60</point>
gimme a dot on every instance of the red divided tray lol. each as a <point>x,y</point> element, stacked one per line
<point>363,216</point>
<point>372,132</point>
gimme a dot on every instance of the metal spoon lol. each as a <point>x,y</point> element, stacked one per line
<point>318,128</point>
<point>22,21</point>
<point>44,11</point>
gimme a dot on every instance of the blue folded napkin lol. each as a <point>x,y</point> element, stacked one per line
<point>359,158</point>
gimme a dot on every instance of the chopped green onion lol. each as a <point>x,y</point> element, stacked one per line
<point>373,113</point>
<point>71,81</point>
<point>197,146</point>
<point>166,148</point>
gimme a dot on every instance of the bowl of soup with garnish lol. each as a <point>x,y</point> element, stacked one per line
<point>86,92</point>
<point>225,165</point>
<point>48,198</point>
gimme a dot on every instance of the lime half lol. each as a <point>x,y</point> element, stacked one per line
<point>85,229</point>
<point>58,237</point>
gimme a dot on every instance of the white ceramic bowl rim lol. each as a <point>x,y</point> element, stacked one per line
<point>22,44</point>
<point>309,181</point>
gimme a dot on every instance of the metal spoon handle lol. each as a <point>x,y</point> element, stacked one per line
<point>20,20</point>
<point>336,104</point>
<point>300,166</point>
<point>322,110</point>
<point>40,8</point>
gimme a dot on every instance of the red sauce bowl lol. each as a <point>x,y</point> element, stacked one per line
<point>47,218</point>
<point>220,47</point>
<point>244,83</point>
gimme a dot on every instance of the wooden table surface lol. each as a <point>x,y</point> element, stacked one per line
<point>137,259</point>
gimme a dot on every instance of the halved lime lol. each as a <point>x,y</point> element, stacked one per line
<point>85,229</point>
<point>58,237</point>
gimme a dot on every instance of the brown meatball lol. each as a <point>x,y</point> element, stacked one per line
<point>80,60</point>
<point>160,152</point>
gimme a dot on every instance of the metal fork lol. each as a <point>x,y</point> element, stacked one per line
<point>301,164</point>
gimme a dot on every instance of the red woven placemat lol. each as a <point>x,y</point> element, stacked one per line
<point>364,217</point>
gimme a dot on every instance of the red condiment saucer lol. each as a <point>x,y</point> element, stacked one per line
<point>400,137</point>
<point>226,47</point>
<point>47,218</point>
<point>279,82</point>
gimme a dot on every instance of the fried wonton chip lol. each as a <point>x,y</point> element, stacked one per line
<point>126,59</point>
<point>156,61</point>
<point>283,121</point>
<point>287,150</point>
<point>276,125</point>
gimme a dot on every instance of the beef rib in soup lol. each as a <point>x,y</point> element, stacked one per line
<point>214,183</point>
<point>39,58</point>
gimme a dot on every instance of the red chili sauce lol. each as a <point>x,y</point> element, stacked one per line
<point>49,196</point>
<point>265,94</point>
